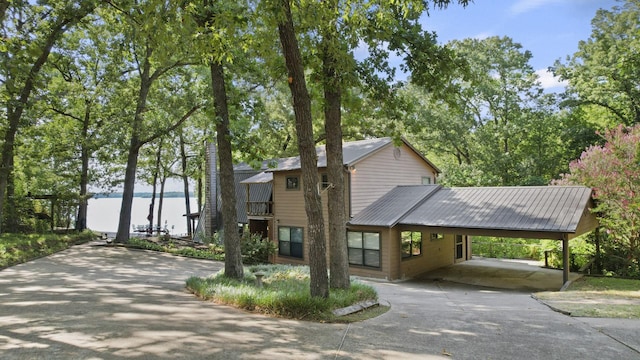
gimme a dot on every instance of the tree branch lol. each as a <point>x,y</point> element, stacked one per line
<point>172,127</point>
<point>65,114</point>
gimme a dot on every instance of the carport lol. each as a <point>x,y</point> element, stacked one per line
<point>534,212</point>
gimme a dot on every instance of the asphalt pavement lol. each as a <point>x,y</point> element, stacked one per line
<point>97,302</point>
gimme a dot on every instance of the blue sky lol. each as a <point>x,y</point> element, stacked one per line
<point>550,29</point>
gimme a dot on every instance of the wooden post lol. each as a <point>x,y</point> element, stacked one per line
<point>565,259</point>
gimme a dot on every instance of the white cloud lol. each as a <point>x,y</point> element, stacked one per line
<point>548,81</point>
<point>483,35</point>
<point>522,6</point>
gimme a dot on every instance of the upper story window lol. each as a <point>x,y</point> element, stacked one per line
<point>324,181</point>
<point>293,183</point>
<point>426,180</point>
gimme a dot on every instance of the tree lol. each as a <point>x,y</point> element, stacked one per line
<point>220,23</point>
<point>79,85</point>
<point>486,119</point>
<point>155,49</point>
<point>613,171</point>
<point>306,148</point>
<point>31,32</point>
<point>604,72</point>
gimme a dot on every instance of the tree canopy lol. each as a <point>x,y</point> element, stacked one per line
<point>97,94</point>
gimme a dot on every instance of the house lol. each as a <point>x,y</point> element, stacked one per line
<point>401,223</point>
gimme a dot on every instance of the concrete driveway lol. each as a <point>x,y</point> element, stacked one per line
<point>93,302</point>
<point>503,274</point>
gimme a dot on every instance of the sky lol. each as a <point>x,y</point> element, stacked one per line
<point>550,29</point>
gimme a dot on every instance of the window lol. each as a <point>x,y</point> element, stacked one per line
<point>364,248</point>
<point>324,181</point>
<point>293,183</point>
<point>426,180</point>
<point>411,243</point>
<point>437,237</point>
<point>290,241</point>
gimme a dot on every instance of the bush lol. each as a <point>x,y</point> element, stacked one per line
<point>507,248</point>
<point>255,249</point>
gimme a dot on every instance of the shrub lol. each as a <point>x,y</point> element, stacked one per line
<point>255,249</point>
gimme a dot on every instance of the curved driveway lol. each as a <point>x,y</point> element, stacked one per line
<point>96,302</point>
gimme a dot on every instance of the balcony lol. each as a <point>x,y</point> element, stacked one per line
<point>260,208</point>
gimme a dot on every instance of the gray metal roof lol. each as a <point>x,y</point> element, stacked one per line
<point>534,208</point>
<point>392,206</point>
<point>352,152</point>
<point>261,178</point>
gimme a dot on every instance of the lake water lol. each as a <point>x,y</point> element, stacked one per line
<point>103,214</point>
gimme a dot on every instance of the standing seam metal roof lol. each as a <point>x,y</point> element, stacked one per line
<point>392,206</point>
<point>519,208</point>
<point>549,208</point>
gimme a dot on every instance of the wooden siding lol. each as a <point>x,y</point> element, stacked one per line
<point>377,174</point>
<point>435,254</point>
<point>289,210</point>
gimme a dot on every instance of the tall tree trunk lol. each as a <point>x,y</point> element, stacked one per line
<point>232,253</point>
<point>319,286</point>
<point>185,183</point>
<point>154,184</point>
<point>81,219</point>
<point>338,251</point>
<point>135,143</point>
<point>124,223</point>
<point>161,201</point>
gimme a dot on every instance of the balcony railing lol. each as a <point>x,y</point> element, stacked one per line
<point>260,208</point>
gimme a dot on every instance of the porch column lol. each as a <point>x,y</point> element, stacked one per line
<point>565,259</point>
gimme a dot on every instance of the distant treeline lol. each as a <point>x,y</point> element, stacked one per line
<point>171,194</point>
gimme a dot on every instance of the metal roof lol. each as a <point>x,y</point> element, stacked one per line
<point>261,178</point>
<point>519,208</point>
<point>548,209</point>
<point>352,152</point>
<point>392,206</point>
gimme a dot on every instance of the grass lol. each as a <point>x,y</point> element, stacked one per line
<point>285,293</point>
<point>597,297</point>
<point>19,248</point>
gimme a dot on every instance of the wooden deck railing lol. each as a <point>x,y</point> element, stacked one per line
<point>260,208</point>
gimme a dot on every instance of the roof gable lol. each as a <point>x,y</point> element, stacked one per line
<point>391,207</point>
<point>352,152</point>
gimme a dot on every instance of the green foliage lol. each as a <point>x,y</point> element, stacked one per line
<point>613,171</point>
<point>255,249</point>
<point>212,252</point>
<point>496,126</point>
<point>19,248</point>
<point>582,251</point>
<point>507,248</point>
<point>285,293</point>
<point>604,72</point>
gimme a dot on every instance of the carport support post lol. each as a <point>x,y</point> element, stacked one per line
<point>565,259</point>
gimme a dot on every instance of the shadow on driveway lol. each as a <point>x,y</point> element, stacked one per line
<point>114,303</point>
